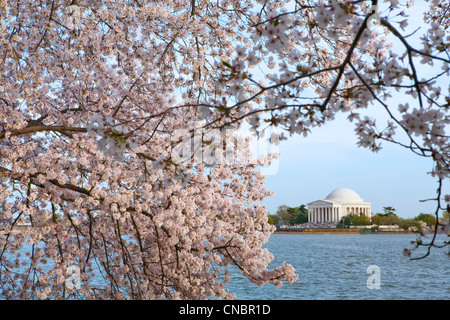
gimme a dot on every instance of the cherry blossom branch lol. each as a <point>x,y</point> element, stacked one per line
<point>40,128</point>
<point>437,224</point>
<point>347,59</point>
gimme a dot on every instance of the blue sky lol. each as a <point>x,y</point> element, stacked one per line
<point>310,168</point>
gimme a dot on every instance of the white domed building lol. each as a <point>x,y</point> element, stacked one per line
<point>337,204</point>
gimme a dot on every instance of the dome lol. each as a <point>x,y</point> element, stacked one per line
<point>344,195</point>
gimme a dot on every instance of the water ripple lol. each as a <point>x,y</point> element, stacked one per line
<point>334,267</point>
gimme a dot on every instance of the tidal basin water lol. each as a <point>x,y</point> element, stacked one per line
<point>335,267</point>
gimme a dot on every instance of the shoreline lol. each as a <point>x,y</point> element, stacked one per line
<point>356,232</point>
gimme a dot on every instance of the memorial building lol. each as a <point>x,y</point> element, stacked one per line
<point>337,204</point>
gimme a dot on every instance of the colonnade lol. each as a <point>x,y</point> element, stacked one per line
<point>334,214</point>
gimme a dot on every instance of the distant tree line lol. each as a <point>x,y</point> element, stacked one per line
<point>388,217</point>
<point>297,215</point>
<point>289,215</point>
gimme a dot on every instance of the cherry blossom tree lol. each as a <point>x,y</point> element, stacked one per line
<point>100,100</point>
<point>89,135</point>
